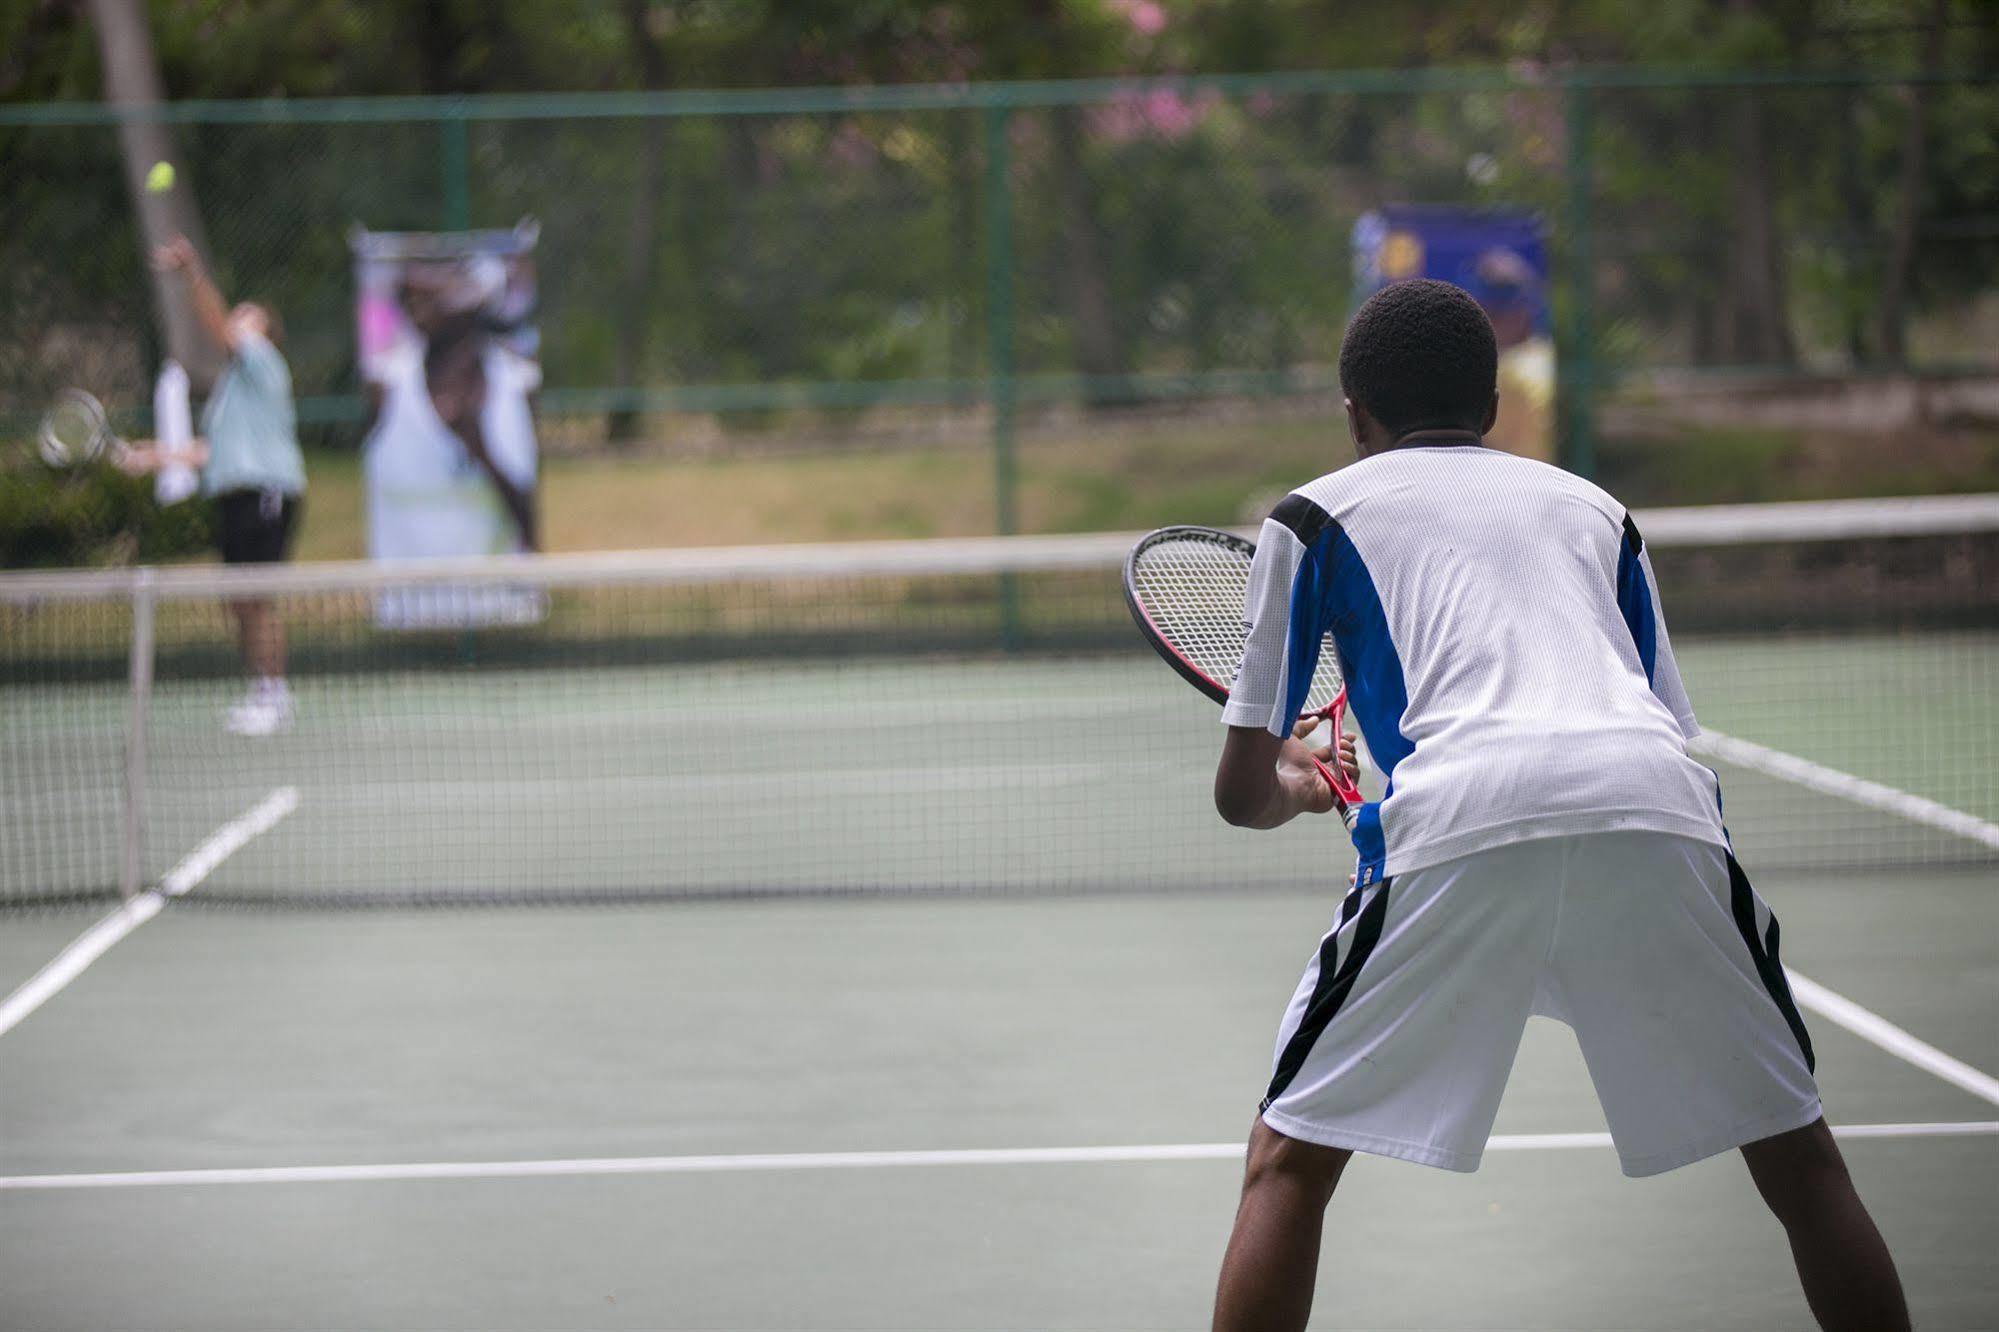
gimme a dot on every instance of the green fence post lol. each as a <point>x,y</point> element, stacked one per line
<point>999,346</point>
<point>1577,367</point>
<point>455,161</point>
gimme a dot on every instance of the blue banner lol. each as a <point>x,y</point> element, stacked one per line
<point>1500,257</point>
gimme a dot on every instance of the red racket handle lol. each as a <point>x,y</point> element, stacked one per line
<point>1344,791</point>
<point>1349,809</point>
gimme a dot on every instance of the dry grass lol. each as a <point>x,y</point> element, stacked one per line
<point>1088,478</point>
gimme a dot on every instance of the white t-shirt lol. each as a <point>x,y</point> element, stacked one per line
<point>1503,649</point>
<point>426,496</point>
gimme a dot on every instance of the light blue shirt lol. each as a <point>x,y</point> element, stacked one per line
<point>251,428</point>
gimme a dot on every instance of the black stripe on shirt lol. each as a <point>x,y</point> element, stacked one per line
<point>1632,541</point>
<point>1305,519</point>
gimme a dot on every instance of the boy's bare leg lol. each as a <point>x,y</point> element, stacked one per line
<point>1272,1261</point>
<point>1849,1279</point>
<point>261,637</point>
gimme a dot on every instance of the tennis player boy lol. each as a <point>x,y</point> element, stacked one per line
<point>1545,845</point>
<point>254,472</point>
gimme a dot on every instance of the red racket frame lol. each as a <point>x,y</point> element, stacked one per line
<point>1345,794</point>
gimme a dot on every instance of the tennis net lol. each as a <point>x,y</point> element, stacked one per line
<point>971,716</point>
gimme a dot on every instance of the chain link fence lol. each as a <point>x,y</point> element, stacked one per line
<point>946,259</point>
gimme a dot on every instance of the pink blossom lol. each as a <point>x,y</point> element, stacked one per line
<point>1147,17</point>
<point>1162,114</point>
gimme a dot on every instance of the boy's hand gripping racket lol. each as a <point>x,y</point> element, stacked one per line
<point>1186,587</point>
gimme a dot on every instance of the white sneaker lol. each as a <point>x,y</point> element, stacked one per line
<point>265,710</point>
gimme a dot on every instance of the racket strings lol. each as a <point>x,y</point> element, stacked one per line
<point>72,427</point>
<point>73,430</point>
<point>1195,591</point>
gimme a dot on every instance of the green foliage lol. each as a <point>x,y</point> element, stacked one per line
<point>1716,466</point>
<point>1177,236</point>
<point>92,516</point>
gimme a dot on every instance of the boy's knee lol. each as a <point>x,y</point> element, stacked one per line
<point>1794,1171</point>
<point>1275,1158</point>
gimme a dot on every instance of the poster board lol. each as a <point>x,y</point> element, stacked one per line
<point>432,491</point>
<point>1500,257</point>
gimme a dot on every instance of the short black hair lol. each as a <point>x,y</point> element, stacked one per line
<point>1420,355</point>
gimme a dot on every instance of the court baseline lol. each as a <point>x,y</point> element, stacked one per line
<point>796,1161</point>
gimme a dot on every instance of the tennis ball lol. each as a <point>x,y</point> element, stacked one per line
<point>161,178</point>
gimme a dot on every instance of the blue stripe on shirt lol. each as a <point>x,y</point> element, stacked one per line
<point>1634,599</point>
<point>1376,693</point>
<point>1333,591</point>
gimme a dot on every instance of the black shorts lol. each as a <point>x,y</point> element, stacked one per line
<point>255,526</point>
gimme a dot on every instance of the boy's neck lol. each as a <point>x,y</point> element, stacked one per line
<point>1437,439</point>
<point>1418,439</point>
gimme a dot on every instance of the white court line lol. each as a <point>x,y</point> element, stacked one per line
<point>86,948</point>
<point>1844,785</point>
<point>1871,1026</point>
<point>99,939</point>
<point>1809,993</point>
<point>227,840</point>
<point>795,1161</point>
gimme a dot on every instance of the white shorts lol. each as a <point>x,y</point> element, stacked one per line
<point>1652,947</point>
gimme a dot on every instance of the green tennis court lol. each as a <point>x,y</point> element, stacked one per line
<point>896,975</point>
<point>226,1040</point>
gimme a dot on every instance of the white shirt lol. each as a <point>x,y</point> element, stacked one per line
<point>1503,649</point>
<point>426,497</point>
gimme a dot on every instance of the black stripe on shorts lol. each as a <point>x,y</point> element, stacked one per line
<point>1763,951</point>
<point>1335,983</point>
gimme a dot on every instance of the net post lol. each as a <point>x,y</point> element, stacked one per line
<point>996,122</point>
<point>140,674</point>
<point>1577,364</point>
<point>455,164</point>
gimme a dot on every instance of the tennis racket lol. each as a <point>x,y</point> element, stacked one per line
<point>76,431</point>
<point>1185,587</point>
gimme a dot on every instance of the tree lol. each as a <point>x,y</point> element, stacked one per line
<point>641,246</point>
<point>1069,46</point>
<point>1908,191</point>
<point>132,84</point>
<point>1756,323</point>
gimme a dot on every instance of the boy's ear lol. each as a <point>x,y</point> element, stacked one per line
<point>1491,415</point>
<point>1364,429</point>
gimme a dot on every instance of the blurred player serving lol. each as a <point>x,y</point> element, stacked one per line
<point>252,470</point>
